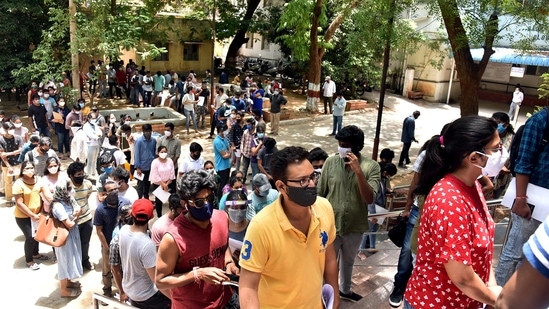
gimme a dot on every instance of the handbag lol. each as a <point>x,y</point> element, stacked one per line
<point>398,232</point>
<point>51,231</point>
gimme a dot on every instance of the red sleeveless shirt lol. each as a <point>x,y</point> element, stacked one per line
<point>202,248</point>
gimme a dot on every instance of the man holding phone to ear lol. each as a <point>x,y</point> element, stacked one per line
<point>349,181</point>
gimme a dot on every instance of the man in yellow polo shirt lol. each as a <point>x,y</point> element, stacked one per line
<point>288,251</point>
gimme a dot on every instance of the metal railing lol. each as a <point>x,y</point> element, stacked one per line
<point>98,298</point>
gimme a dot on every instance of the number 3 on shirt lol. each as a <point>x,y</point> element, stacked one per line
<point>246,250</point>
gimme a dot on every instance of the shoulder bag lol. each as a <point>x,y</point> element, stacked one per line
<point>51,231</point>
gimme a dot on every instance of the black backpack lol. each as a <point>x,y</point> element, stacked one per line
<point>103,150</point>
<point>515,144</point>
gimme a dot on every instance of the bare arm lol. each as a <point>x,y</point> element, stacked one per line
<point>331,273</point>
<point>152,272</point>
<point>520,208</point>
<point>20,204</point>
<point>117,275</point>
<point>101,235</point>
<point>248,288</point>
<point>526,289</point>
<point>410,195</point>
<point>465,278</point>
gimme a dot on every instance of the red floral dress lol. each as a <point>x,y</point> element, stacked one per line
<point>455,225</point>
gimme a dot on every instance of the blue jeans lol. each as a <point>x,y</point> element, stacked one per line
<point>63,141</point>
<point>511,255</point>
<point>190,114</point>
<point>370,237</point>
<point>44,131</point>
<point>407,305</point>
<point>338,120</point>
<point>404,268</point>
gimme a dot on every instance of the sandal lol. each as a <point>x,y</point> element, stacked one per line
<point>73,285</point>
<point>33,266</point>
<point>74,294</point>
<point>40,257</point>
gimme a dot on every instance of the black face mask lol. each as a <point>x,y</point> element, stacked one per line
<point>302,196</point>
<point>78,180</point>
<point>112,198</point>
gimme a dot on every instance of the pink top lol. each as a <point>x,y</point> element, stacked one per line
<point>160,227</point>
<point>161,171</point>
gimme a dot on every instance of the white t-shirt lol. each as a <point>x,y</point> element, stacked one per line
<point>188,101</point>
<point>329,88</point>
<point>189,164</point>
<point>130,194</point>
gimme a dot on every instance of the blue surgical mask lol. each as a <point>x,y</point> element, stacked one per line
<point>260,135</point>
<point>249,127</point>
<point>81,105</point>
<point>107,170</point>
<point>501,128</point>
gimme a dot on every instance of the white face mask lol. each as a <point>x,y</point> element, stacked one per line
<point>61,104</point>
<point>127,122</point>
<point>11,132</point>
<point>237,215</point>
<point>495,162</point>
<point>18,125</point>
<point>113,120</point>
<point>53,169</point>
<point>40,94</point>
<point>46,95</point>
<point>233,116</point>
<point>225,133</point>
<point>163,155</point>
<point>318,170</point>
<point>168,133</point>
<point>343,151</point>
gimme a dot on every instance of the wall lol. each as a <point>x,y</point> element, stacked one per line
<point>182,32</point>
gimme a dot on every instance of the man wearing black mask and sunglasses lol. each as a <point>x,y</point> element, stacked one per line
<point>105,220</point>
<point>196,275</point>
<point>290,242</point>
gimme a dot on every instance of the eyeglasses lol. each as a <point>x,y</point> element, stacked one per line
<point>200,202</point>
<point>304,182</point>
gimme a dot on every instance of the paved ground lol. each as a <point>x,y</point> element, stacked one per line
<point>23,288</point>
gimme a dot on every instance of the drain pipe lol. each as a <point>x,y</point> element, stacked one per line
<point>451,81</point>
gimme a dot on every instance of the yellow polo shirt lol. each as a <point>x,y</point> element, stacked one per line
<point>291,264</point>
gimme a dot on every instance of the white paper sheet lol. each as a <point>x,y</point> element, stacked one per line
<point>234,245</point>
<point>200,101</point>
<point>537,196</point>
<point>161,194</point>
<point>34,227</point>
<point>137,176</point>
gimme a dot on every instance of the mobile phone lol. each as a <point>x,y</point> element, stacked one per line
<point>346,159</point>
<point>531,206</point>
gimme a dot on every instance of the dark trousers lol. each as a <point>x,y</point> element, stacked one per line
<point>224,179</point>
<point>147,98</point>
<point>212,124</point>
<point>85,229</point>
<point>328,101</point>
<point>405,154</point>
<point>63,141</point>
<point>143,187</point>
<point>31,245</point>
<point>157,301</point>
<point>112,87</point>
<point>93,84</point>
<point>44,131</point>
<point>157,202</point>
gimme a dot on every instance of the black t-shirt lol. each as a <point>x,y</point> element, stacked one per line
<point>39,113</point>
<point>276,102</point>
<point>205,93</point>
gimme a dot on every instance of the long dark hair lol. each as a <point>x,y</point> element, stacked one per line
<point>445,153</point>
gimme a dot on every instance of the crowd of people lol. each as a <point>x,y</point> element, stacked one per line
<point>300,222</point>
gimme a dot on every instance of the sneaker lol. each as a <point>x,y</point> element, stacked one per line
<point>395,299</point>
<point>353,297</point>
<point>402,166</point>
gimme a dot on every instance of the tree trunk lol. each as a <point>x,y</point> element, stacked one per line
<point>315,60</point>
<point>234,48</point>
<point>240,37</point>
<point>469,72</point>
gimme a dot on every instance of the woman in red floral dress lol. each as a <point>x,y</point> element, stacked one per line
<point>456,233</point>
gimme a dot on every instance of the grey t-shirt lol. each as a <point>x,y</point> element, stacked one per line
<point>265,158</point>
<point>137,253</point>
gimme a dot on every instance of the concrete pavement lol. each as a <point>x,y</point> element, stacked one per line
<point>24,288</point>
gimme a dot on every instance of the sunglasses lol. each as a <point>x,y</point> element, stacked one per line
<point>200,202</point>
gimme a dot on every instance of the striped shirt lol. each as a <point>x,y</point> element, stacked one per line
<point>536,250</point>
<point>81,195</point>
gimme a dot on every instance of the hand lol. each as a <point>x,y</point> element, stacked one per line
<point>35,217</point>
<point>139,172</point>
<point>496,289</point>
<point>165,187</point>
<point>405,213</point>
<point>123,297</point>
<point>212,275</point>
<point>521,209</point>
<point>270,177</point>
<point>232,269</point>
<point>3,154</point>
<point>373,220</point>
<point>353,162</point>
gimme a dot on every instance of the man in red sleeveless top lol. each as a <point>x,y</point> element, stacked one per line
<point>193,257</point>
